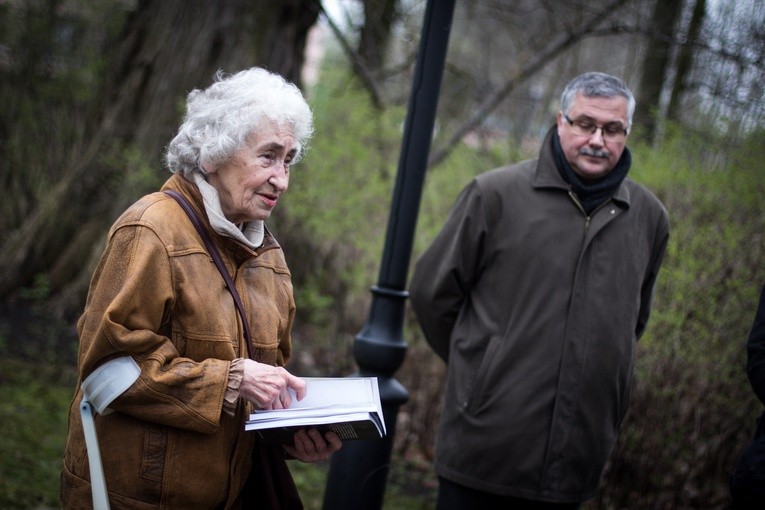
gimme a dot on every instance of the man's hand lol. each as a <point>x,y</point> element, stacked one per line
<point>311,446</point>
<point>268,387</point>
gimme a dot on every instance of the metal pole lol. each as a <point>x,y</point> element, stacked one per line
<point>358,472</point>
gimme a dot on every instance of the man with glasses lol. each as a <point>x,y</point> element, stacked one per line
<point>535,293</point>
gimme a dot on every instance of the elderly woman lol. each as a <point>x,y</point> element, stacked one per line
<point>175,437</point>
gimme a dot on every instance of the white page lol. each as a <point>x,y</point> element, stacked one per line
<point>324,391</point>
<point>331,393</point>
<point>327,400</point>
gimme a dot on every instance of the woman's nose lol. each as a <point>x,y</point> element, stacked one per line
<point>280,176</point>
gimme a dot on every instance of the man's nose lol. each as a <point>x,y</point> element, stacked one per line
<point>596,138</point>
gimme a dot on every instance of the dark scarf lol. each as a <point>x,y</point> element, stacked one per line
<point>591,193</point>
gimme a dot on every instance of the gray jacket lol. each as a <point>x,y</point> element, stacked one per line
<point>537,308</point>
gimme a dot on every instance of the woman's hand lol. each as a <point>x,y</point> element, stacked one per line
<point>311,446</point>
<point>268,387</point>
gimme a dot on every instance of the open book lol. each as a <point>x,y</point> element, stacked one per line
<point>348,406</point>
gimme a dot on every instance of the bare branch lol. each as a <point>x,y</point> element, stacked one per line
<point>680,39</point>
<point>358,67</point>
<point>555,48</point>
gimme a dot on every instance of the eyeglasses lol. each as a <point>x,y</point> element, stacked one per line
<point>613,131</point>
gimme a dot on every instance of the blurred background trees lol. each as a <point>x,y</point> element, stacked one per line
<point>90,93</point>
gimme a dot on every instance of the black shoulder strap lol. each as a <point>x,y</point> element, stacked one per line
<point>213,251</point>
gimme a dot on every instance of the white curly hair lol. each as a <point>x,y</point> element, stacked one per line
<point>221,118</point>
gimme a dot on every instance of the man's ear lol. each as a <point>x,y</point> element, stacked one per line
<point>559,121</point>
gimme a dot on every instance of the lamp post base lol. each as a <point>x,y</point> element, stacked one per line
<point>359,470</point>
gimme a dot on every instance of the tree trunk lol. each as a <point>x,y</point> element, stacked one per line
<point>168,48</point>
<point>378,19</point>
<point>666,13</point>
<point>685,60</point>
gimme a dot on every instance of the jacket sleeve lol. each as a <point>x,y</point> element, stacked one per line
<point>445,272</point>
<point>128,313</point>
<point>755,347</point>
<point>646,293</point>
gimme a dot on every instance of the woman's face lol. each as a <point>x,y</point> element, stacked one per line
<point>251,183</point>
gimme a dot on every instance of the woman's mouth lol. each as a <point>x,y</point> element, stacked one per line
<point>270,200</point>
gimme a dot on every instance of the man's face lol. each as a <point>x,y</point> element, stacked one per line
<point>592,156</point>
<point>249,186</point>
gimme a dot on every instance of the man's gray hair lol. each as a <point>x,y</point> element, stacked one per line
<point>220,119</point>
<point>597,85</point>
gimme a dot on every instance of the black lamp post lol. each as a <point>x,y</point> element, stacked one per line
<point>358,472</point>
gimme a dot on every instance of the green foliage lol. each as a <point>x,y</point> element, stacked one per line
<point>333,219</point>
<point>39,291</point>
<point>33,416</point>
<point>714,261</point>
<point>139,172</point>
<point>342,193</point>
<point>338,204</point>
<point>692,408</point>
<point>311,480</point>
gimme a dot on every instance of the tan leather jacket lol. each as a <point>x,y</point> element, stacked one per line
<point>158,297</point>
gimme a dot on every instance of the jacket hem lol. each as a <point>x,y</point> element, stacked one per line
<point>512,491</point>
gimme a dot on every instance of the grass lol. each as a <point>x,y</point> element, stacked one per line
<point>407,488</point>
<point>33,416</point>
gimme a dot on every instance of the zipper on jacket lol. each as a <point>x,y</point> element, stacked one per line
<point>587,217</point>
<point>579,206</point>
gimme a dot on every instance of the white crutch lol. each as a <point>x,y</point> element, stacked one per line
<point>99,389</point>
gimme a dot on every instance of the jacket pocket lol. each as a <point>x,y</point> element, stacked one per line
<point>200,348</point>
<point>477,392</point>
<point>154,450</point>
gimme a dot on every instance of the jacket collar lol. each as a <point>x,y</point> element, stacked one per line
<point>252,232</point>
<point>190,190</point>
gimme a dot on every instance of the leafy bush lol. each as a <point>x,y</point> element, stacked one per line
<point>33,416</point>
<point>692,408</point>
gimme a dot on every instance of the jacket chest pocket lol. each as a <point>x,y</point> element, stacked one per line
<point>205,323</point>
<point>207,327</point>
<point>199,347</point>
